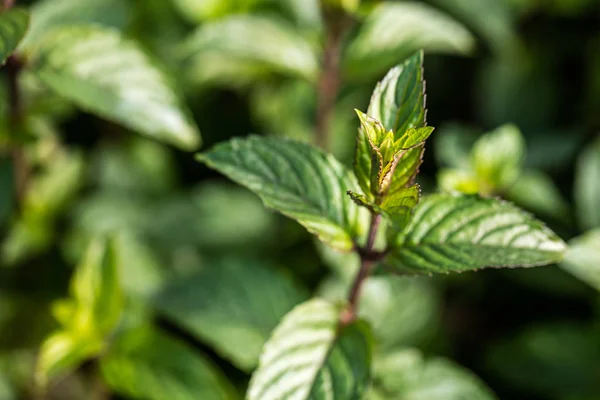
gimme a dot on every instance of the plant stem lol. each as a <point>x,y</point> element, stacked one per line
<point>8,4</point>
<point>329,82</point>
<point>13,69</point>
<point>367,262</point>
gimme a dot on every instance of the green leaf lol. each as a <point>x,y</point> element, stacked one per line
<point>47,15</point>
<point>62,353</point>
<point>458,180</point>
<point>497,157</point>
<point>535,191</point>
<point>587,186</point>
<point>96,289</point>
<point>13,26</point>
<point>232,305</point>
<point>398,103</point>
<point>107,74</point>
<point>310,357</point>
<point>463,233</point>
<point>401,311</point>
<point>147,364</point>
<point>394,31</point>
<point>406,375</point>
<point>452,145</point>
<point>297,180</point>
<point>583,258</point>
<point>197,11</point>
<point>252,39</point>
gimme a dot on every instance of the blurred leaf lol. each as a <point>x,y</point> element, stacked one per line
<point>307,13</point>
<point>405,375</point>
<point>460,180</point>
<point>310,356</point>
<point>398,103</point>
<point>497,158</point>
<point>105,73</point>
<point>557,361</point>
<point>587,187</point>
<point>47,15</point>
<point>13,25</point>
<point>452,145</point>
<point>6,189</point>
<point>6,390</point>
<point>148,364</point>
<point>491,19</point>
<point>96,289</point>
<point>394,31</point>
<point>62,353</point>
<point>400,311</point>
<point>296,179</point>
<point>583,258</point>
<point>253,39</point>
<point>464,233</point>
<point>536,192</point>
<point>48,192</point>
<point>344,265</point>
<point>563,144</point>
<point>203,10</point>
<point>233,305</point>
<point>139,165</point>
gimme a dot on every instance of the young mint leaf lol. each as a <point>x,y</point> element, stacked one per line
<point>394,31</point>
<point>583,258</point>
<point>587,186</point>
<point>102,71</point>
<point>257,40</point>
<point>62,352</point>
<point>148,364</point>
<point>233,305</point>
<point>405,374</point>
<point>297,180</point>
<point>497,158</point>
<point>461,233</point>
<point>458,180</point>
<point>47,15</point>
<point>309,356</point>
<point>13,26</point>
<point>398,104</point>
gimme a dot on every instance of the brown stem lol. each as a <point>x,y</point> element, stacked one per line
<point>329,82</point>
<point>8,4</point>
<point>366,266</point>
<point>13,69</point>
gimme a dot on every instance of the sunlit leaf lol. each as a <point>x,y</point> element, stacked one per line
<point>394,31</point>
<point>232,305</point>
<point>108,74</point>
<point>296,179</point>
<point>406,375</point>
<point>583,258</point>
<point>253,39</point>
<point>461,233</point>
<point>147,364</point>
<point>310,357</point>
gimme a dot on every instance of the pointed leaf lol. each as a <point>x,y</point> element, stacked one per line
<point>13,25</point>
<point>298,180</point>
<point>233,305</point>
<point>107,74</point>
<point>394,31</point>
<point>460,233</point>
<point>50,14</point>
<point>309,357</point>
<point>406,375</point>
<point>497,158</point>
<point>147,364</point>
<point>587,186</point>
<point>96,288</point>
<point>252,39</point>
<point>62,353</point>
<point>583,258</point>
<point>398,102</point>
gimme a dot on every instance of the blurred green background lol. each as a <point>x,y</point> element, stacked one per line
<point>205,263</point>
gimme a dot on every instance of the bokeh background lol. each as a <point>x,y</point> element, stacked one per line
<point>529,334</point>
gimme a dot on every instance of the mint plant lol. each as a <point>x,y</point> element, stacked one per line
<point>322,349</point>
